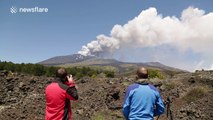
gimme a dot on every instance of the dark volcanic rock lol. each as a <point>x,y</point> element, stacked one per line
<point>22,97</point>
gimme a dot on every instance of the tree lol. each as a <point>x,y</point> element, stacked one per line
<point>38,70</point>
<point>50,71</point>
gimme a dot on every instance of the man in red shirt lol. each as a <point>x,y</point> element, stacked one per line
<point>58,96</point>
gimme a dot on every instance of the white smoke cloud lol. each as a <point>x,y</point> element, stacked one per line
<point>192,31</point>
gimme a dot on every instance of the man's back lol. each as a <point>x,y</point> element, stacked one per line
<point>58,98</point>
<point>142,102</point>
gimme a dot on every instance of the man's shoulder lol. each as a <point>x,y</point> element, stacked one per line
<point>52,84</point>
<point>58,84</point>
<point>153,87</point>
<point>133,86</point>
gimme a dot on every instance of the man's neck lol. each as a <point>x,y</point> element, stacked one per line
<point>58,80</point>
<point>142,81</point>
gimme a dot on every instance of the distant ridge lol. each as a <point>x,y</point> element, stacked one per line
<point>80,60</point>
<point>59,60</point>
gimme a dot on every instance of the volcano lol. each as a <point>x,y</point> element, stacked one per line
<point>81,60</point>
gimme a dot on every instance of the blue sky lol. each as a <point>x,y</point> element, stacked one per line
<point>70,24</point>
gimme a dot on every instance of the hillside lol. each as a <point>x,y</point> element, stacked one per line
<point>22,96</point>
<point>95,62</point>
<point>58,60</point>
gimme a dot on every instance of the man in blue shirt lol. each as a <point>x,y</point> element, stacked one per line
<point>142,100</point>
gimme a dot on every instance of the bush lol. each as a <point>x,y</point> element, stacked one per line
<point>110,74</point>
<point>195,94</point>
<point>50,71</point>
<point>155,74</point>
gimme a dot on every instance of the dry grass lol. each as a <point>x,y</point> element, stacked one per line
<point>195,93</point>
<point>170,86</point>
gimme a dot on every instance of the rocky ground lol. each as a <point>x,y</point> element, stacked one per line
<point>190,94</point>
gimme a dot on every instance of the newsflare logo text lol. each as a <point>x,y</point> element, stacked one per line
<point>36,9</point>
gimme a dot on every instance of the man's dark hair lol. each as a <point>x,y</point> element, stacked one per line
<point>61,73</point>
<point>142,73</point>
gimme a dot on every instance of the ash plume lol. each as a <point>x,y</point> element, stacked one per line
<point>192,31</point>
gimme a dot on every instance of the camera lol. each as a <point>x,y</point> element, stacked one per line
<point>68,76</point>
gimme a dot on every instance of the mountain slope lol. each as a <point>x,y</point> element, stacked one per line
<point>80,60</point>
<point>58,60</point>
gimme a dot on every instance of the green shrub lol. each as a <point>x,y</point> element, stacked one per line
<point>110,74</point>
<point>155,74</point>
<point>50,71</point>
<point>40,70</point>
